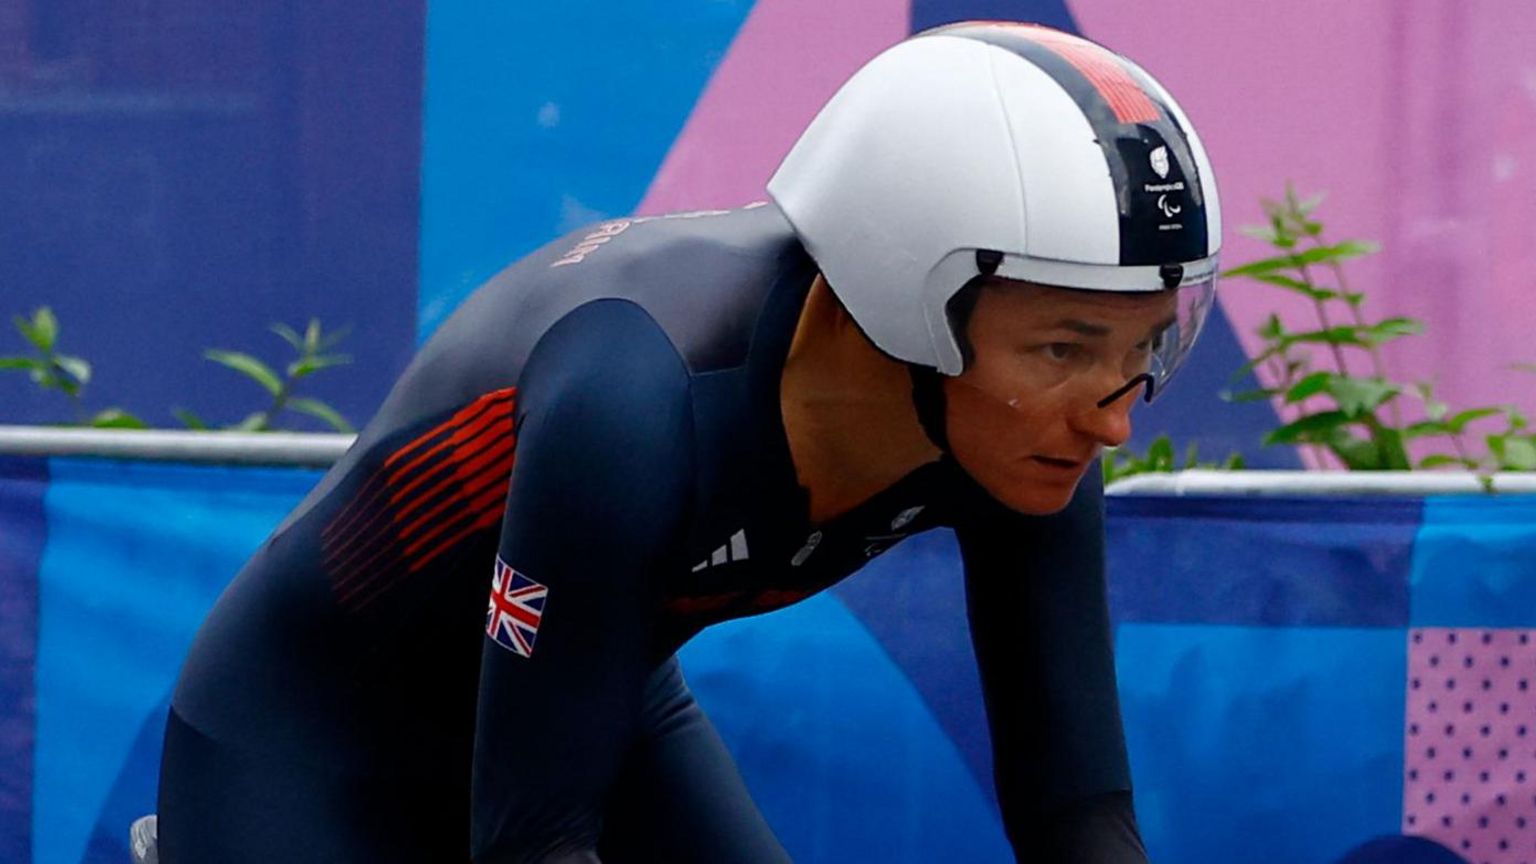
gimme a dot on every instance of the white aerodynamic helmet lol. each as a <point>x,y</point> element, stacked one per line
<point>990,148</point>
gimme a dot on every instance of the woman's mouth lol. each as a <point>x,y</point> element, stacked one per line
<point>1058,464</point>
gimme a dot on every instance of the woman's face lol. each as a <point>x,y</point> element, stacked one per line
<point>1023,419</point>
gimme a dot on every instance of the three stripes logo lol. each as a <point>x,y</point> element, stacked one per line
<point>733,550</point>
<point>424,499</point>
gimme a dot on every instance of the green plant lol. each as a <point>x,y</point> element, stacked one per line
<point>1352,407</point>
<point>311,348</point>
<point>1122,462</point>
<point>65,373</point>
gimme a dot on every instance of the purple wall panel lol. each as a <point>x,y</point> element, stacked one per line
<point>1415,117</point>
<point>178,174</point>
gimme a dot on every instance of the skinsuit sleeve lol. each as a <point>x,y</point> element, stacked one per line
<point>1035,597</point>
<point>597,494</point>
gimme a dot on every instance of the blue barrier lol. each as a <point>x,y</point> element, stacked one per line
<point>1269,651</point>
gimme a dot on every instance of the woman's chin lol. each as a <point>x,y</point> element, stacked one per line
<point>1034,497</point>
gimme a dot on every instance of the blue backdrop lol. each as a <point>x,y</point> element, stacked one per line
<point>1263,645</point>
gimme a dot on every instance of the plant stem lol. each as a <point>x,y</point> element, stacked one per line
<point>1377,363</point>
<point>1322,316</point>
<point>1277,370</point>
<point>1461,450</point>
<point>279,400</point>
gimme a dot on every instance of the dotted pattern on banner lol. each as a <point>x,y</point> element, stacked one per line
<point>1470,743</point>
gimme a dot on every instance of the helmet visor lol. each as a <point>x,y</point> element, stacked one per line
<point>1171,345</point>
<point>1079,360</point>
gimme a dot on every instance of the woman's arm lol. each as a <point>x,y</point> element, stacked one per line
<point>598,492</point>
<point>1035,595</point>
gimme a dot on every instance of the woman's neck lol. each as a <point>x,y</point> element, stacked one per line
<point>848,412</point>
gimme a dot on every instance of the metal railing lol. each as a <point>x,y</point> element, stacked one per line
<point>312,450</point>
<point>316,450</point>
<point>1206,482</point>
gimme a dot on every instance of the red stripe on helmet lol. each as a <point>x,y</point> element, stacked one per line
<point>1103,69</point>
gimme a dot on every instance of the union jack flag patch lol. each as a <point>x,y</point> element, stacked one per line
<point>516,607</point>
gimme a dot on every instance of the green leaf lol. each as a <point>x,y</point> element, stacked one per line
<point>1313,428</point>
<point>1192,455</point>
<point>1307,205</point>
<point>1248,396</point>
<point>24,327</point>
<point>1341,335</point>
<point>1259,232</point>
<point>42,331</point>
<point>336,337</point>
<point>249,366</point>
<point>1433,409</point>
<point>312,337</point>
<point>1357,396</point>
<point>256,422</point>
<point>309,365</point>
<point>1263,265</point>
<point>1255,363</point>
<point>1391,328</point>
<point>1323,253</point>
<point>1272,328</point>
<point>1341,251</point>
<point>1389,443</point>
<point>289,335</point>
<point>47,378</point>
<point>1425,428</point>
<point>322,411</point>
<point>189,419</point>
<point>76,367</point>
<point>1290,197</point>
<point>1439,459</point>
<point>1358,454</point>
<point>1301,287</point>
<point>1311,385</point>
<point>1459,422</point>
<point>116,418</point>
<point>1519,454</point>
<point>21,363</point>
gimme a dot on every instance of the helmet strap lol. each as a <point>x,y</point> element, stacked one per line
<point>928,382</point>
<point>928,399</point>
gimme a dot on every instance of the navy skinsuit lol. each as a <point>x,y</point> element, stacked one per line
<point>598,431</point>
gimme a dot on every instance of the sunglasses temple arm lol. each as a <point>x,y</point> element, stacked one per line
<point>1128,387</point>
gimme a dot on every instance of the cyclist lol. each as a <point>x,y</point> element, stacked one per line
<point>988,244</point>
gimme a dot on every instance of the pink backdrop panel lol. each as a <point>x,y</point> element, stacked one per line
<point>788,58</point>
<point>1470,742</point>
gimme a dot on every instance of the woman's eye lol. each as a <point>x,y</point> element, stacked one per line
<point>1149,345</point>
<point>1061,350</point>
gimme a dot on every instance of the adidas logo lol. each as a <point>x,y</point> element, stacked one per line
<point>735,550</point>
